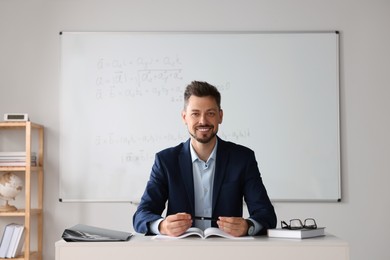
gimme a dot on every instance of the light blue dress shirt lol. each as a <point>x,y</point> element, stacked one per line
<point>203,173</point>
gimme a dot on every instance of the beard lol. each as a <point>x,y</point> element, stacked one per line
<point>204,138</point>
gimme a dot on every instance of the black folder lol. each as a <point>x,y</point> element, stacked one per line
<point>85,233</point>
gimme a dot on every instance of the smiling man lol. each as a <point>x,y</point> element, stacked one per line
<point>205,179</point>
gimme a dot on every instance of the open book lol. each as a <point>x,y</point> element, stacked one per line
<point>209,232</point>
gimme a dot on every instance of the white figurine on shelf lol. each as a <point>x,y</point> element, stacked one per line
<point>10,186</point>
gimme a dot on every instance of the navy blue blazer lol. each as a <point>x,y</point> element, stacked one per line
<point>237,177</point>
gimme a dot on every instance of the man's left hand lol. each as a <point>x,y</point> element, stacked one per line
<point>234,226</point>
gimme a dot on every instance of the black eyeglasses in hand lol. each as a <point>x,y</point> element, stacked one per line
<point>308,223</point>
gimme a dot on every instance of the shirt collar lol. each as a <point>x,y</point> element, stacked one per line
<point>194,155</point>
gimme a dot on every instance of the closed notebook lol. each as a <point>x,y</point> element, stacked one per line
<point>297,233</point>
<point>85,233</point>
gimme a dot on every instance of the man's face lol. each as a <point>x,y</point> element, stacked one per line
<point>202,117</point>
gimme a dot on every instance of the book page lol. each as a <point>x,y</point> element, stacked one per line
<point>213,231</point>
<point>193,231</point>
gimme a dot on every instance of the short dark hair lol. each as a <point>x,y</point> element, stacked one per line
<point>201,89</point>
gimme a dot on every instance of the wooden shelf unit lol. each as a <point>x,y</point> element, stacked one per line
<point>28,212</point>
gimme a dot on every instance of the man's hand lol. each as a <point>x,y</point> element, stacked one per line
<point>175,225</point>
<point>234,226</point>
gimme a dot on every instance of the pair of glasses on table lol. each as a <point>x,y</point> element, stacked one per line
<point>296,223</point>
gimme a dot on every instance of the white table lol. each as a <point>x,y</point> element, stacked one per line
<point>141,247</point>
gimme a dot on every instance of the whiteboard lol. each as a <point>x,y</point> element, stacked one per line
<point>121,96</point>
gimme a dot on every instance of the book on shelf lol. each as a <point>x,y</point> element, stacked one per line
<point>16,159</point>
<point>15,154</point>
<point>85,233</point>
<point>208,232</point>
<point>12,241</point>
<point>10,163</point>
<point>296,233</point>
<point>6,239</point>
<point>17,242</point>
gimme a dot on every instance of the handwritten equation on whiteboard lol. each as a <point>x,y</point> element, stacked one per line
<point>133,154</point>
<point>140,76</point>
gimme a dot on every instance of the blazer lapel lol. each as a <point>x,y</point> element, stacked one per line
<point>220,169</point>
<point>187,174</point>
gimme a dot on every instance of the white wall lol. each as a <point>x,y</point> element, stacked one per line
<point>29,79</point>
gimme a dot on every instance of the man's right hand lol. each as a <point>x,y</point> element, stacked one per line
<point>175,225</point>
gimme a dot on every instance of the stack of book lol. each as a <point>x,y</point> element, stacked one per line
<point>298,233</point>
<point>16,159</point>
<point>12,241</point>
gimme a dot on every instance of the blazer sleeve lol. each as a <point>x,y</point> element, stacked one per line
<point>259,205</point>
<point>153,200</point>
<point>170,180</point>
